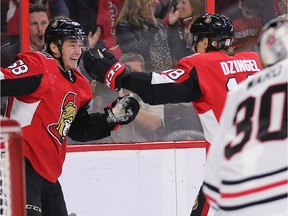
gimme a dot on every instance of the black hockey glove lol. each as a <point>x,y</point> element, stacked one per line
<point>102,65</point>
<point>122,111</point>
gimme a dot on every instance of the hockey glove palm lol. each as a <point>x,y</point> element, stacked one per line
<point>102,65</point>
<point>122,111</point>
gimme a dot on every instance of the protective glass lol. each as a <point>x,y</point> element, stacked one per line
<point>83,40</point>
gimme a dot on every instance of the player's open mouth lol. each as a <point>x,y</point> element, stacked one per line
<point>40,37</point>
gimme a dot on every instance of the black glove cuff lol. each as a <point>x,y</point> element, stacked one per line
<point>119,79</point>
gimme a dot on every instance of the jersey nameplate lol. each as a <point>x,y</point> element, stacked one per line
<point>238,66</point>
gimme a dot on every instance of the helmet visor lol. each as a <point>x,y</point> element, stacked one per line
<point>81,39</point>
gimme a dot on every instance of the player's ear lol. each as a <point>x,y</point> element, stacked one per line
<point>205,43</point>
<point>54,48</point>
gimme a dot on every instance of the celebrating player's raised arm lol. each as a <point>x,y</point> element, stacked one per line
<point>153,88</point>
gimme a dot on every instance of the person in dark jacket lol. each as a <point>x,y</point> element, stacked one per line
<point>139,31</point>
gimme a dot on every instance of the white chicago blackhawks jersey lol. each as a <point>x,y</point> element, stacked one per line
<point>246,171</point>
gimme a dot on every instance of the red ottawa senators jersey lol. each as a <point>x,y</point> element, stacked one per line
<point>53,106</point>
<point>215,73</point>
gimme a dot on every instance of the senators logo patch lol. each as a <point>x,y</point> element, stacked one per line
<point>208,19</point>
<point>68,112</point>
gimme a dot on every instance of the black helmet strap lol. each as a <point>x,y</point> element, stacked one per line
<point>59,44</point>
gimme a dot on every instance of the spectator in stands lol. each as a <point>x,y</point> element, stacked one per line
<point>181,118</point>
<point>162,8</point>
<point>50,100</point>
<point>139,31</point>
<point>222,6</point>
<point>79,10</point>
<point>38,15</point>
<point>246,171</point>
<point>247,22</point>
<point>102,14</point>
<point>11,21</point>
<point>11,10</point>
<point>203,78</point>
<point>39,20</point>
<point>149,120</point>
<point>110,11</point>
<point>272,9</point>
<point>280,8</point>
<point>179,22</point>
<point>58,8</point>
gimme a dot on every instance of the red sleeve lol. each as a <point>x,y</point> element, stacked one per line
<point>28,64</point>
<point>166,21</point>
<point>24,75</point>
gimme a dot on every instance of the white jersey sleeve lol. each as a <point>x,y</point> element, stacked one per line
<point>246,172</point>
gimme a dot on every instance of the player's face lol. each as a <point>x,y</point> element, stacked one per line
<point>38,23</point>
<point>71,52</point>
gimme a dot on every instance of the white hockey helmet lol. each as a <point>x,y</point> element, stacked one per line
<point>273,41</point>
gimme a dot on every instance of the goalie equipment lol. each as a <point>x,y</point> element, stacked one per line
<point>272,41</point>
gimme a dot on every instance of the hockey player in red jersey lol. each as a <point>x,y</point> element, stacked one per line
<point>203,78</point>
<point>246,172</point>
<point>50,99</point>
